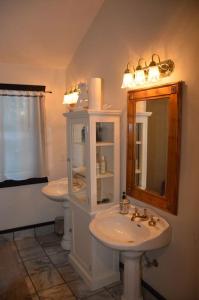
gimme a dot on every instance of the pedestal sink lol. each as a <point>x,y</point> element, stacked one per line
<point>57,190</point>
<point>132,238</point>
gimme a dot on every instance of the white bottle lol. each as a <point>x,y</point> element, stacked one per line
<point>97,168</point>
<point>102,165</point>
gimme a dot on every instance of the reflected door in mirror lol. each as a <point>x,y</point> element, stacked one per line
<point>151,144</point>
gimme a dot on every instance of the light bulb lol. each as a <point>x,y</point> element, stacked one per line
<point>140,77</point>
<point>127,81</point>
<point>154,74</point>
<point>75,96</point>
<point>66,99</point>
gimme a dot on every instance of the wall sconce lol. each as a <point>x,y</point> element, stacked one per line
<point>151,73</point>
<point>71,97</point>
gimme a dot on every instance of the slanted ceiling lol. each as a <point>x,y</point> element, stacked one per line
<point>44,32</point>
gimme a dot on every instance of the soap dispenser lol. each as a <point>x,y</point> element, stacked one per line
<point>124,205</point>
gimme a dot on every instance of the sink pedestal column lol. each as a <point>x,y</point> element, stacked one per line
<point>66,240</point>
<point>132,276</point>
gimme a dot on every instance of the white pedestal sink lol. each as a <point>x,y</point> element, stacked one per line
<point>132,238</point>
<point>57,190</point>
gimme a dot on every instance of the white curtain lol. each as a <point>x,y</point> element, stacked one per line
<point>22,143</point>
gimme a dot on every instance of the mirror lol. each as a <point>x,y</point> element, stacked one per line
<point>154,145</point>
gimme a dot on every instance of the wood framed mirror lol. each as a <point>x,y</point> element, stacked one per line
<point>153,145</point>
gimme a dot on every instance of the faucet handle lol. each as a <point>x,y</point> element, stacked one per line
<point>152,221</point>
<point>136,212</point>
<point>145,212</point>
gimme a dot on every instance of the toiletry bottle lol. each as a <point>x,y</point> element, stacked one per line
<point>103,165</point>
<point>97,168</point>
<point>124,204</point>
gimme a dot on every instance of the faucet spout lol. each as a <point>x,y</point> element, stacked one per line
<point>137,215</point>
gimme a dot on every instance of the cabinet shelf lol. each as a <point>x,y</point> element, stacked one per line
<point>79,143</point>
<point>106,175</point>
<point>102,144</point>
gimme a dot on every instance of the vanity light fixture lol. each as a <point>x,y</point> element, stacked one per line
<point>71,97</point>
<point>147,74</point>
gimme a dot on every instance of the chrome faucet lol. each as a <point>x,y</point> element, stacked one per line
<point>136,214</point>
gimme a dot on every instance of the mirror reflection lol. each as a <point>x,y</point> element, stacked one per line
<point>79,184</point>
<point>151,144</point>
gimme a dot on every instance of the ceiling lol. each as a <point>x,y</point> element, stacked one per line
<point>44,32</point>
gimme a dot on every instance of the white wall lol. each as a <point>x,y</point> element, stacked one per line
<point>123,31</point>
<point>25,205</point>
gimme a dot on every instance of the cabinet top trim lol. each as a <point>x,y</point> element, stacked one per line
<point>93,112</point>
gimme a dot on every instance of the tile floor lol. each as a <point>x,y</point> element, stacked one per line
<point>48,274</point>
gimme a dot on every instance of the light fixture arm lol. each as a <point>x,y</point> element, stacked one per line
<point>153,55</point>
<point>139,67</point>
<point>127,68</point>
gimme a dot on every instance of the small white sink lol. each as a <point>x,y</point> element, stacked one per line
<point>56,190</point>
<point>119,232</point>
<point>132,238</point>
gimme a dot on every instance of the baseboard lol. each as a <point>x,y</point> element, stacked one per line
<point>32,226</point>
<point>152,291</point>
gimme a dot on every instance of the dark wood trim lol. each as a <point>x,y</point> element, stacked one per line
<point>12,183</point>
<point>32,226</point>
<point>22,87</point>
<point>172,92</point>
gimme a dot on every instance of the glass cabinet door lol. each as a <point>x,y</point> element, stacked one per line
<point>78,162</point>
<point>105,162</point>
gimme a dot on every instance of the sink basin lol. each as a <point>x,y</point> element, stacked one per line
<point>56,190</point>
<point>119,232</point>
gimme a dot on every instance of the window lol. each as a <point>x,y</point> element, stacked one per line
<point>22,142</point>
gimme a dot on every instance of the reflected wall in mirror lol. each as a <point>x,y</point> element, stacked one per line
<point>154,145</point>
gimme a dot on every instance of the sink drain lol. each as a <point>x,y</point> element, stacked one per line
<point>130,241</point>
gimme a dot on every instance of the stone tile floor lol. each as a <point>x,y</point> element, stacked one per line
<point>48,274</point>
